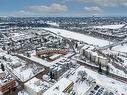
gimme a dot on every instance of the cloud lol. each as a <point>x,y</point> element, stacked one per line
<point>105,2</point>
<point>43,10</point>
<point>93,10</point>
<point>125,4</point>
<point>53,8</point>
<point>24,13</point>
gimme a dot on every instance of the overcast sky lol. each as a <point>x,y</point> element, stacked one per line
<point>63,8</point>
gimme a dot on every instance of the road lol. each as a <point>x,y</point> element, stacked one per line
<point>31,61</point>
<point>94,68</point>
<point>112,45</point>
<point>21,84</point>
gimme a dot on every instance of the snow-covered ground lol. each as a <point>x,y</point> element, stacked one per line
<point>117,71</point>
<point>110,26</point>
<point>23,74</point>
<point>80,88</point>
<point>120,48</point>
<point>21,70</point>
<point>53,24</point>
<point>23,93</point>
<point>107,82</point>
<point>78,36</point>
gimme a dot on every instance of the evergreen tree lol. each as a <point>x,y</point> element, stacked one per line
<point>76,45</point>
<point>28,55</point>
<point>107,70</point>
<point>3,48</point>
<point>2,67</point>
<point>100,70</point>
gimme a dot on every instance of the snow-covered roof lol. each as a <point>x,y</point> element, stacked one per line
<point>32,84</point>
<point>90,48</point>
<point>55,56</point>
<point>37,85</point>
<point>44,62</point>
<point>59,87</point>
<point>7,77</point>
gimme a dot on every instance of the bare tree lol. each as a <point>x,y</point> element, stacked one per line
<point>82,75</point>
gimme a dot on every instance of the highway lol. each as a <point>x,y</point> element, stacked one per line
<point>114,44</point>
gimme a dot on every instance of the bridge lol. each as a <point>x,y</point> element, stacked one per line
<point>123,26</point>
<point>112,45</point>
<point>116,43</point>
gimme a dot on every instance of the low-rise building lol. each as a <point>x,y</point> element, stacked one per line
<point>60,88</point>
<point>6,82</point>
<point>94,56</point>
<point>54,57</point>
<point>36,87</point>
<point>59,68</point>
<point>51,51</point>
<point>2,74</point>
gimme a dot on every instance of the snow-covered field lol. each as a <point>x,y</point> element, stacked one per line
<point>78,36</point>
<point>110,26</point>
<point>120,48</point>
<point>117,71</point>
<point>80,88</point>
<point>107,82</point>
<point>24,74</point>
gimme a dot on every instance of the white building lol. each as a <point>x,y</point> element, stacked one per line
<point>93,56</point>
<point>36,86</point>
<point>60,88</point>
